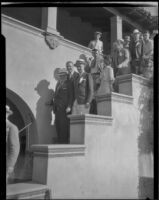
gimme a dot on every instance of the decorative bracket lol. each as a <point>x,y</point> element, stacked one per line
<point>52,41</point>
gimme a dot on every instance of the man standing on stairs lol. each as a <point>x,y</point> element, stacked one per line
<point>72,76</point>
<point>96,43</point>
<point>83,89</point>
<point>12,145</point>
<point>136,51</point>
<point>63,100</point>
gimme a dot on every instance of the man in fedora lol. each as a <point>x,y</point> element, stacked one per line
<point>148,50</point>
<point>63,100</point>
<point>83,89</point>
<point>136,51</point>
<point>12,145</point>
<point>96,43</point>
<point>72,75</point>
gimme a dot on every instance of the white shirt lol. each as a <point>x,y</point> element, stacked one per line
<point>96,44</point>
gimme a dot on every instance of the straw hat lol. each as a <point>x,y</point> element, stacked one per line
<point>80,61</point>
<point>136,31</point>
<point>97,32</point>
<point>62,72</point>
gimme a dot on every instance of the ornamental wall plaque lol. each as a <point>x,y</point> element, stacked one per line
<point>52,41</point>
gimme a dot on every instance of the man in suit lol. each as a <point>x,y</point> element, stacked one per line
<point>72,76</point>
<point>12,145</point>
<point>63,100</point>
<point>83,89</point>
<point>136,51</point>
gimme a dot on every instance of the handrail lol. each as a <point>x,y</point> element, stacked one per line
<point>25,127</point>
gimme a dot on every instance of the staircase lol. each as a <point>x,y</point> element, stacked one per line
<point>28,190</point>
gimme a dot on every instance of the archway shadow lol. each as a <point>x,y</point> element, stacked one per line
<point>44,117</point>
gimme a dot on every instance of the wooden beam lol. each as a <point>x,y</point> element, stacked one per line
<point>115,12</point>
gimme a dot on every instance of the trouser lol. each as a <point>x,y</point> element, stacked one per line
<point>93,107</point>
<point>136,66</point>
<point>62,126</point>
<point>96,81</point>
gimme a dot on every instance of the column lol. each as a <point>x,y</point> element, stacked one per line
<point>116,29</point>
<point>49,20</point>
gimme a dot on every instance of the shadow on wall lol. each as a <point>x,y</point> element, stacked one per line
<point>145,143</point>
<point>44,117</point>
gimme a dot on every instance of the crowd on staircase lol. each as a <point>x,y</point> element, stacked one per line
<point>78,84</point>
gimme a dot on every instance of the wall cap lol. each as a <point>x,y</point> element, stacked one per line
<point>121,98</point>
<point>42,33</point>
<point>58,150</point>
<point>133,77</point>
<point>24,190</point>
<point>90,119</point>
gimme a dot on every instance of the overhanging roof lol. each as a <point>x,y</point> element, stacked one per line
<point>133,17</point>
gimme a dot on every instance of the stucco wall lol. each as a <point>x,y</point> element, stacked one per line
<point>28,61</point>
<point>142,91</point>
<point>109,168</point>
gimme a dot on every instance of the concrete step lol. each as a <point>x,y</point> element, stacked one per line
<point>28,190</point>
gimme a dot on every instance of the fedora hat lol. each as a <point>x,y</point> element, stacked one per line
<point>8,110</point>
<point>62,72</point>
<point>136,31</point>
<point>80,61</point>
<point>97,32</point>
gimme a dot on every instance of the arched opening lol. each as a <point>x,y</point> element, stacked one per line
<point>23,118</point>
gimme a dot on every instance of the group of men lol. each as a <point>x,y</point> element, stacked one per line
<point>133,54</point>
<point>73,94</point>
<point>76,89</point>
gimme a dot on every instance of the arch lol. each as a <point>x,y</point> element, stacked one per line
<point>26,115</point>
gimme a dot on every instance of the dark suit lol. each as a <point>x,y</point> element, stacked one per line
<point>72,78</point>
<point>83,90</point>
<point>136,52</point>
<point>62,99</point>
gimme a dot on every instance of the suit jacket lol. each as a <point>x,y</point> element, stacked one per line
<point>121,57</point>
<point>12,144</point>
<point>63,95</point>
<point>136,49</point>
<point>83,88</point>
<point>73,76</point>
<point>72,80</point>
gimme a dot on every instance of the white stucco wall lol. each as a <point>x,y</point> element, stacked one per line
<point>28,61</point>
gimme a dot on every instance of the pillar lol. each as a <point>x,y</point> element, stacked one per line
<point>49,20</point>
<point>116,29</point>
<point>142,91</point>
